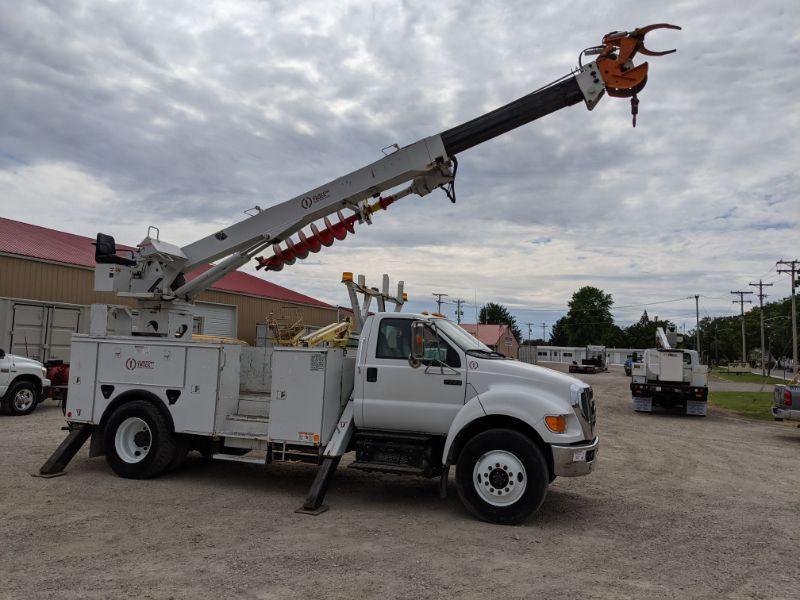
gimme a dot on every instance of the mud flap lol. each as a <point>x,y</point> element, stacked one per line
<point>641,404</point>
<point>65,452</point>
<point>696,407</point>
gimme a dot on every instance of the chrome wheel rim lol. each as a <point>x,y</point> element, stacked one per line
<point>23,400</point>
<point>499,478</point>
<point>132,440</point>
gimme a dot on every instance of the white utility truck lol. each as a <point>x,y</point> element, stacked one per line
<point>23,383</point>
<point>416,395</point>
<point>669,377</point>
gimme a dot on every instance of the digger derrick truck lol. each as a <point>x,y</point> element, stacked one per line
<point>669,377</point>
<point>416,396</point>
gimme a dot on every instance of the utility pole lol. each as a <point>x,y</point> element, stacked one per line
<point>697,326</point>
<point>741,301</point>
<point>792,270</point>
<point>459,312</point>
<point>529,332</point>
<point>761,295</point>
<point>439,297</point>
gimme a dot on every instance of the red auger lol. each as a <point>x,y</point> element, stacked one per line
<point>318,238</point>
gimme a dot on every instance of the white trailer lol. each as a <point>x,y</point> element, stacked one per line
<point>414,395</point>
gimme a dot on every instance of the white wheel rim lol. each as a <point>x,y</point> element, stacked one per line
<point>132,440</point>
<point>23,400</point>
<point>499,478</point>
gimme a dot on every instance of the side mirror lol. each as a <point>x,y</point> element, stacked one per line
<point>417,340</point>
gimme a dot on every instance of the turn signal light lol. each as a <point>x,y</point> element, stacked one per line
<point>556,423</point>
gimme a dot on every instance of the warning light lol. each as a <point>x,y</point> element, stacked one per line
<point>347,276</point>
<point>405,296</point>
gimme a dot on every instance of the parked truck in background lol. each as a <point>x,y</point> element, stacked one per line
<point>786,401</point>
<point>670,377</point>
<point>596,361</point>
<point>23,383</point>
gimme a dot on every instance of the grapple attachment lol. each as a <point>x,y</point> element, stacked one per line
<point>623,79</point>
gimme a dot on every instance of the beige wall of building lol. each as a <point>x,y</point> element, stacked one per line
<point>31,279</point>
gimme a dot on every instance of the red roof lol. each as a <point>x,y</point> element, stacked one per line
<point>24,239</point>
<point>488,334</point>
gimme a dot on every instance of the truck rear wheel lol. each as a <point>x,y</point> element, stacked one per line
<point>139,442</point>
<point>501,476</point>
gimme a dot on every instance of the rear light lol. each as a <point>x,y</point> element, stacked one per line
<point>787,398</point>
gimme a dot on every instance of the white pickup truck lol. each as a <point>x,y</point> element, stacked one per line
<point>23,382</point>
<point>417,395</point>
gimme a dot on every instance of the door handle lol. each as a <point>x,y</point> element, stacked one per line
<point>372,373</point>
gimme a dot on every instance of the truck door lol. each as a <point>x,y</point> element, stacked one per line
<point>399,397</point>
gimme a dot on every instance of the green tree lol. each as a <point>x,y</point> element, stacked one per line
<point>642,334</point>
<point>558,334</point>
<point>497,314</point>
<point>589,319</point>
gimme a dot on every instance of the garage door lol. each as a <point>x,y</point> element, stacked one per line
<point>215,319</point>
<point>43,332</point>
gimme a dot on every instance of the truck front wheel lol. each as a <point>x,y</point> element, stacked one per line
<point>138,441</point>
<point>22,398</point>
<point>501,476</point>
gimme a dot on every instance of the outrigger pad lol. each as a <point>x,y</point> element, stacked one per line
<point>313,511</point>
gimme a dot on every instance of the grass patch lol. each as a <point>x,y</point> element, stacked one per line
<point>744,377</point>
<point>756,405</point>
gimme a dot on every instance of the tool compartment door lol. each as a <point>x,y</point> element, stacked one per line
<point>671,366</point>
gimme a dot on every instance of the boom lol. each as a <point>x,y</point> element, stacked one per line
<point>155,272</point>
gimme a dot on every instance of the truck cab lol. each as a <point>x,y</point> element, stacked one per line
<point>23,382</point>
<point>428,395</point>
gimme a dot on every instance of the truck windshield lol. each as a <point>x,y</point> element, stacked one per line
<point>459,337</point>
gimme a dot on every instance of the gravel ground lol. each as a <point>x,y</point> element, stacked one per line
<point>678,507</point>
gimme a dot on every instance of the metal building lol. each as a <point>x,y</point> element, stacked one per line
<point>47,284</point>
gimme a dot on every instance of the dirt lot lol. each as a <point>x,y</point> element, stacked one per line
<point>678,507</point>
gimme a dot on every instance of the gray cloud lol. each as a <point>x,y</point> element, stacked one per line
<point>184,114</point>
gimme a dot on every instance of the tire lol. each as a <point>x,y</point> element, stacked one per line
<point>521,464</point>
<point>21,398</point>
<point>139,442</point>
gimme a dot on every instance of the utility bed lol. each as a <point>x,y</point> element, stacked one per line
<point>289,395</point>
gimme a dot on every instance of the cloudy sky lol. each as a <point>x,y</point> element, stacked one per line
<point>117,115</point>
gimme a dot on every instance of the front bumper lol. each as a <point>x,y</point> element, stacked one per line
<point>575,459</point>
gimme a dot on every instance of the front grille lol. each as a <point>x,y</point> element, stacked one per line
<point>587,407</point>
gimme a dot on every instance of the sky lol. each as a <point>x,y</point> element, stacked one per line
<point>119,115</point>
